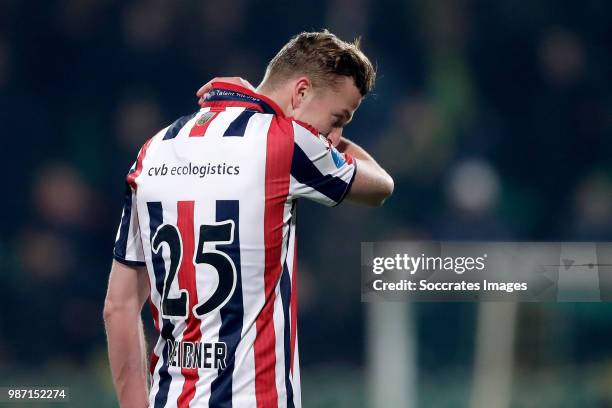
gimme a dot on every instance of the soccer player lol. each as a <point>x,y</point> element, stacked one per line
<point>207,232</point>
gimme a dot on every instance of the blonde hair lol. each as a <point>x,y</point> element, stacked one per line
<point>321,56</point>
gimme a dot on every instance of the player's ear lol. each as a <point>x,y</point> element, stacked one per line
<point>300,90</point>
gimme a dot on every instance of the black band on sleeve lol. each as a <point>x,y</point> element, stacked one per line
<point>350,184</point>
<point>127,262</point>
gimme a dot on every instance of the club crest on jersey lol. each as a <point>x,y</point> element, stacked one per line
<point>202,123</point>
<point>204,118</point>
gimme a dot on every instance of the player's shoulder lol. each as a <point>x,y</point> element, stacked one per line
<point>177,127</point>
<point>307,135</point>
<point>305,127</point>
<point>152,143</point>
<point>293,127</point>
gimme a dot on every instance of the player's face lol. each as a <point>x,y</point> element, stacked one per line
<point>330,109</point>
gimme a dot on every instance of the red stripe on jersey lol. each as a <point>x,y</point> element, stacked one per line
<point>279,152</point>
<point>348,158</point>
<point>239,104</point>
<point>308,127</point>
<point>293,303</point>
<point>199,130</point>
<point>131,178</point>
<point>155,314</point>
<point>237,88</point>
<point>187,280</point>
<point>154,359</point>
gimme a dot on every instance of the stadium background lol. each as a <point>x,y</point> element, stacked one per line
<point>493,117</point>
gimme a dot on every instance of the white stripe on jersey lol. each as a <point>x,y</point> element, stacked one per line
<point>292,274</point>
<point>253,261</point>
<point>297,387</point>
<point>217,127</point>
<point>279,318</point>
<point>321,158</point>
<point>176,386</point>
<point>320,155</point>
<point>206,282</point>
<point>301,189</point>
<point>279,322</point>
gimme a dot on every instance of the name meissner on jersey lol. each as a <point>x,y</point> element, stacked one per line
<point>186,354</point>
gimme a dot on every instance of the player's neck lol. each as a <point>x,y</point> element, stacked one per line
<point>279,96</point>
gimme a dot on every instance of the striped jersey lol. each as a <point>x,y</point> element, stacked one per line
<point>210,209</point>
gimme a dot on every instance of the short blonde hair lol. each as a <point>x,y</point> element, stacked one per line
<point>322,56</point>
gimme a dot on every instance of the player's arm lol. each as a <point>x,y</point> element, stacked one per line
<point>372,185</point>
<point>128,289</point>
<point>328,174</point>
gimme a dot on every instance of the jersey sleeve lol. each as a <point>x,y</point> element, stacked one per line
<point>319,171</point>
<point>128,244</point>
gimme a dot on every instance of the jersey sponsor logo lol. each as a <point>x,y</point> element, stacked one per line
<point>214,94</point>
<point>189,354</point>
<point>191,169</point>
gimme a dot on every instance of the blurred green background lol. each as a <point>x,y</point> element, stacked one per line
<point>494,118</point>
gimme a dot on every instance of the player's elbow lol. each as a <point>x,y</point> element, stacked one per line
<point>383,192</point>
<point>378,196</point>
<point>110,311</point>
<point>117,310</point>
<point>372,189</point>
<point>388,187</point>
<point>128,288</point>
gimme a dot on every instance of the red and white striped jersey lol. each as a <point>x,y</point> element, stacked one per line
<point>210,209</point>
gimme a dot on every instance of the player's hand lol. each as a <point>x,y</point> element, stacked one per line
<point>231,80</point>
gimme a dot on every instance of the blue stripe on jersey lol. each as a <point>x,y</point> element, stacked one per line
<point>304,171</point>
<point>156,218</point>
<point>215,95</point>
<point>231,313</point>
<point>285,290</point>
<point>124,228</point>
<point>178,124</point>
<point>238,125</point>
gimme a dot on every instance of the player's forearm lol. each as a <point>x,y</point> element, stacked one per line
<point>127,355</point>
<point>358,152</point>
<point>373,184</point>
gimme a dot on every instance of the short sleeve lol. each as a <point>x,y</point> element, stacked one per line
<point>319,171</point>
<point>128,244</point>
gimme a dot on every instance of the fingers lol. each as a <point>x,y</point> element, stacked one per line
<point>231,80</point>
<point>247,84</point>
<point>204,89</point>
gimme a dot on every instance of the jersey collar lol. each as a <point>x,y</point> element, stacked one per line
<point>224,94</point>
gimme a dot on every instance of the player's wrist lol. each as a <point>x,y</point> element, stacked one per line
<point>352,148</point>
